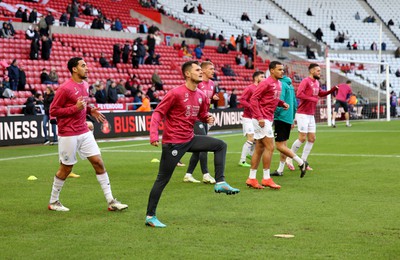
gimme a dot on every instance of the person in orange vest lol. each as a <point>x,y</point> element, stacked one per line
<point>145,107</point>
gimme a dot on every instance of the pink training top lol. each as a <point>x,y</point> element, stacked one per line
<point>308,93</point>
<point>207,87</point>
<point>70,120</point>
<point>181,108</point>
<point>343,92</point>
<point>245,100</point>
<point>265,99</point>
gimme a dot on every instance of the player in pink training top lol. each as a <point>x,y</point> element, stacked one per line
<point>180,108</point>
<point>308,94</point>
<point>248,128</point>
<point>263,102</point>
<point>70,108</point>
<point>342,96</point>
<point>200,128</point>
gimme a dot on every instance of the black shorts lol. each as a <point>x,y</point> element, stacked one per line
<point>200,128</point>
<point>282,131</point>
<point>343,104</point>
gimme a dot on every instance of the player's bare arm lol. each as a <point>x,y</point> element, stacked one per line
<point>215,97</point>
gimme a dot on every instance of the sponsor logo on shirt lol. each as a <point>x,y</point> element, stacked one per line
<point>174,153</point>
<point>200,100</point>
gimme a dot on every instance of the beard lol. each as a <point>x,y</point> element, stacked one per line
<point>83,76</point>
<point>316,77</point>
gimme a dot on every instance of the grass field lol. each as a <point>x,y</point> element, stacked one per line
<point>347,208</point>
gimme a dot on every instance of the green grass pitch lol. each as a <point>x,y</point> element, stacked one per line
<point>347,208</point>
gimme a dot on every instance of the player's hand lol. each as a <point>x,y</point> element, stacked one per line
<point>81,103</point>
<point>292,126</point>
<point>286,106</point>
<point>155,143</point>
<point>210,120</point>
<point>261,123</point>
<point>215,97</point>
<point>97,114</point>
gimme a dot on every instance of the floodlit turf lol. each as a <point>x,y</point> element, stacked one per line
<point>347,208</point>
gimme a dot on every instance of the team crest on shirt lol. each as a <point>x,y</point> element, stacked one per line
<point>174,153</point>
<point>200,100</point>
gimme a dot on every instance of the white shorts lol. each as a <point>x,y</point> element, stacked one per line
<point>248,128</point>
<point>261,132</point>
<point>306,123</point>
<point>84,144</point>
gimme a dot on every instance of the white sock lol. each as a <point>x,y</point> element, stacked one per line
<point>188,174</point>
<point>105,185</point>
<point>245,150</point>
<point>206,174</point>
<point>298,160</point>
<point>333,121</point>
<point>347,122</point>
<point>306,150</point>
<point>296,145</point>
<point>56,189</point>
<point>266,174</point>
<point>253,174</point>
<point>281,166</point>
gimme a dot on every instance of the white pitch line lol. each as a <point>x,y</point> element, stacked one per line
<point>27,156</point>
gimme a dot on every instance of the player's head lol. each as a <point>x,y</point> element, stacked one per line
<point>77,67</point>
<point>208,70</point>
<point>258,76</point>
<point>348,82</point>
<point>315,70</point>
<point>191,70</point>
<point>276,69</point>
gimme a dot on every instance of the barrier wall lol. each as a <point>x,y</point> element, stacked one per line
<point>21,130</point>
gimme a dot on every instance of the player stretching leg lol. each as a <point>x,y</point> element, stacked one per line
<point>248,128</point>
<point>264,101</point>
<point>308,93</point>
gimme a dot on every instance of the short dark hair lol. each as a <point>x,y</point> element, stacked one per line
<point>273,64</point>
<point>348,82</point>
<point>312,65</point>
<point>257,73</point>
<point>187,65</point>
<point>73,62</point>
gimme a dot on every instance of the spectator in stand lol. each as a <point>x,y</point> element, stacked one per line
<point>221,36</point>
<point>202,38</point>
<point>152,96</point>
<point>39,103</point>
<point>71,21</point>
<point>374,46</point>
<point>6,85</point>
<point>145,107</point>
<point>200,9</point>
<point>153,60</point>
<point>227,70</point>
<point>95,23</point>
<point>397,53</point>
<point>249,64</point>
<point>393,104</point>
<point>222,99</point>
<point>397,73</point>
<point>46,47</point>
<point>33,16</point>
<point>383,46</point>
<point>135,58</point>
<point>294,43</point>
<point>47,99</point>
<point>6,32</point>
<point>101,94</point>
<point>29,109</point>
<point>185,53</point>
<point>237,59</point>
<point>35,46</point>
<point>153,29</point>
<point>354,45</point>
<point>13,74</point>
<point>112,95</point>
<point>63,19</point>
<point>318,34</point>
<point>43,27</point>
<point>156,80</point>
<point>117,25</point>
<point>103,61</point>
<point>25,16</point>
<point>19,13</point>
<point>222,48</point>
<point>121,90</point>
<point>309,53</point>
<point>357,16</point>
<point>245,17</point>
<point>309,13</point>
<point>45,78</point>
<point>198,52</point>
<point>348,46</point>
<point>286,43</point>
<point>332,26</point>
<point>161,10</point>
<point>125,52</point>
<point>151,44</point>
<point>233,99</point>
<point>137,100</point>
<point>116,54</point>
<point>22,78</point>
<point>141,51</point>
<point>390,23</point>
<point>49,21</point>
<point>53,75</point>
<point>143,28</point>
